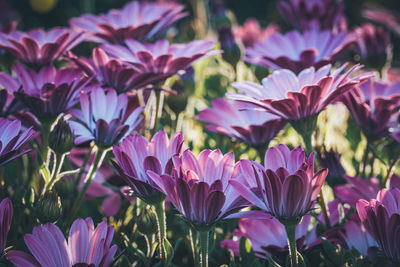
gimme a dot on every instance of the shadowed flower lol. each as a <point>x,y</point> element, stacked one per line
<point>330,159</point>
<point>86,246</point>
<point>136,155</point>
<point>161,58</point>
<point>11,140</point>
<point>319,15</point>
<point>38,47</point>
<point>6,214</point>
<point>199,187</point>
<point>253,127</point>
<point>136,20</point>
<point>374,105</point>
<point>387,18</point>
<point>112,72</point>
<point>381,218</point>
<point>297,51</point>
<point>251,32</point>
<point>286,187</point>
<point>49,92</point>
<point>297,97</point>
<point>104,118</point>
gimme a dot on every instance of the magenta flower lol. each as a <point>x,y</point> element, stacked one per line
<point>86,246</point>
<point>381,218</point>
<point>112,73</point>
<point>374,105</point>
<point>251,32</point>
<point>136,155</point>
<point>297,51</point>
<point>160,58</point>
<point>330,159</point>
<point>199,187</point>
<point>11,140</point>
<point>286,187</point>
<point>294,97</point>
<point>106,126</point>
<point>357,188</point>
<point>253,127</point>
<point>385,17</point>
<point>49,92</point>
<point>38,47</point>
<point>136,20</point>
<point>6,214</point>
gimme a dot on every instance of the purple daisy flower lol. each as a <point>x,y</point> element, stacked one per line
<point>231,118</point>
<point>106,126</point>
<point>11,140</point>
<point>297,51</point>
<point>38,47</point>
<point>136,20</point>
<point>86,246</point>
<point>6,214</point>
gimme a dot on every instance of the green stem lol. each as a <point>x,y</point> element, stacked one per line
<point>192,235</point>
<point>159,108</point>
<point>98,160</point>
<point>58,163</point>
<point>204,248</point>
<point>45,131</point>
<point>365,159</point>
<point>261,151</point>
<point>83,167</point>
<point>162,229</point>
<point>291,235</point>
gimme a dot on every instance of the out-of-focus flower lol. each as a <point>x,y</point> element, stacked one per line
<point>373,105</point>
<point>286,187</point>
<point>319,15</point>
<point>136,155</point>
<point>358,188</point>
<point>394,181</point>
<point>86,246</point>
<point>8,104</point>
<point>112,73</point>
<point>253,127</point>
<point>161,58</point>
<point>330,159</point>
<point>387,18</point>
<point>49,92</point>
<point>267,236</point>
<point>136,20</point>
<point>381,218</point>
<point>251,32</point>
<point>232,53</point>
<point>11,140</point>
<point>199,187</point>
<point>372,44</point>
<point>6,214</point>
<point>38,47</point>
<point>356,236</point>
<point>392,75</point>
<point>297,97</point>
<point>61,139</point>
<point>297,51</point>
<point>104,118</point>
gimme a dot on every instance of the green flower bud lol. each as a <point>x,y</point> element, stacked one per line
<point>147,221</point>
<point>61,138</point>
<point>48,207</point>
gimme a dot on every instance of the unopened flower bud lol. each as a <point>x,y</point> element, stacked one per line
<point>147,221</point>
<point>232,53</point>
<point>61,137</point>
<point>48,208</point>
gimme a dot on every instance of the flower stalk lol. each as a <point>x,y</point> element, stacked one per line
<point>204,248</point>
<point>290,227</point>
<point>162,229</point>
<point>58,163</point>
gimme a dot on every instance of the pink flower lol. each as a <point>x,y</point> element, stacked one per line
<point>286,187</point>
<point>314,14</point>
<point>389,19</point>
<point>253,127</point>
<point>375,107</point>
<point>86,246</point>
<point>11,140</point>
<point>6,214</point>
<point>381,218</point>
<point>372,41</point>
<point>297,51</point>
<point>251,32</point>
<point>106,126</point>
<point>294,97</point>
<point>136,20</point>
<point>38,47</point>
<point>199,187</point>
<point>136,155</point>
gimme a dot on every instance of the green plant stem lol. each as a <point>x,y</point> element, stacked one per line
<point>159,109</point>
<point>162,229</point>
<point>204,248</point>
<point>365,159</point>
<point>45,132</point>
<point>192,235</point>
<point>261,151</point>
<point>83,167</point>
<point>98,160</point>
<point>291,235</point>
<point>58,163</point>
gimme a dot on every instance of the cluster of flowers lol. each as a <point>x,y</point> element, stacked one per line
<point>104,99</point>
